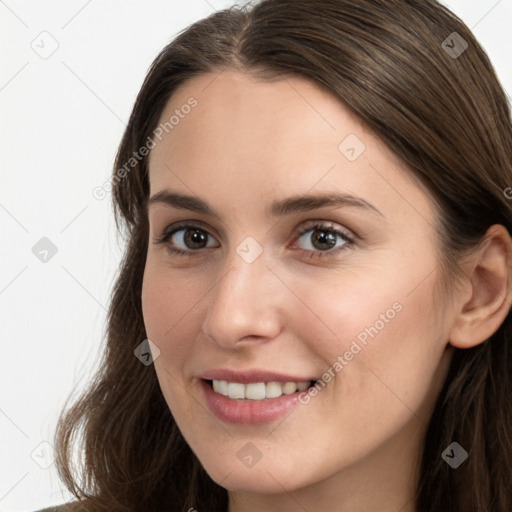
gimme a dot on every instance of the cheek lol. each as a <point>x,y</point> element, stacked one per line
<point>377,334</point>
<point>342,309</point>
<point>171,303</point>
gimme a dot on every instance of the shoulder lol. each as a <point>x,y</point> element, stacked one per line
<point>67,507</point>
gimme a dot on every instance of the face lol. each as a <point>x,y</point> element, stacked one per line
<point>306,252</point>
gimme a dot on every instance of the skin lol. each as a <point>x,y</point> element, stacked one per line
<point>355,446</point>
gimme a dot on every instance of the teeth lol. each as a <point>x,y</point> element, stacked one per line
<point>223,387</point>
<point>289,388</point>
<point>301,386</point>
<point>236,390</point>
<point>257,390</point>
<point>273,389</point>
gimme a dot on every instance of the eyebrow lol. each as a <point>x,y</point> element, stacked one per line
<point>280,208</point>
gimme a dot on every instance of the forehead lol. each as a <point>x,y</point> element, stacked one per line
<point>247,137</point>
<point>234,107</point>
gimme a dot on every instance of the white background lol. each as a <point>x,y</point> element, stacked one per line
<point>61,120</point>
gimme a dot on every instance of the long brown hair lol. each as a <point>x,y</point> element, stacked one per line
<point>435,103</point>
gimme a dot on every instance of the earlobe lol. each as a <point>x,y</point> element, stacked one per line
<point>489,273</point>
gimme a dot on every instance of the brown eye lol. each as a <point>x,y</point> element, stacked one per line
<point>194,238</point>
<point>185,239</point>
<point>323,238</point>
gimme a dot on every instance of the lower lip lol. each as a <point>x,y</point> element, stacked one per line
<point>248,412</point>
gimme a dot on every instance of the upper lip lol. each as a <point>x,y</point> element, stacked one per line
<point>253,375</point>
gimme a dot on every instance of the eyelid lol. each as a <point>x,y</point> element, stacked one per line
<point>177,226</point>
<point>328,225</point>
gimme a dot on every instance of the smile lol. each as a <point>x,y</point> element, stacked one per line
<point>252,402</point>
<point>257,390</point>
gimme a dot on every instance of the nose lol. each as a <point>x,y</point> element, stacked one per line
<point>246,305</point>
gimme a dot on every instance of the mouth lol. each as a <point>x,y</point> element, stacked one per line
<point>253,395</point>
<point>252,403</point>
<point>257,391</point>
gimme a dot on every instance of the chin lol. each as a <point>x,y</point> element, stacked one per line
<point>266,476</point>
<point>251,480</point>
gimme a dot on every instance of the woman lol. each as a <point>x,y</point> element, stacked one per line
<point>313,308</point>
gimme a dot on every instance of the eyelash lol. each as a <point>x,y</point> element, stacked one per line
<point>316,226</point>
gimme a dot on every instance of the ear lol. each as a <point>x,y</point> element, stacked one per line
<point>489,276</point>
